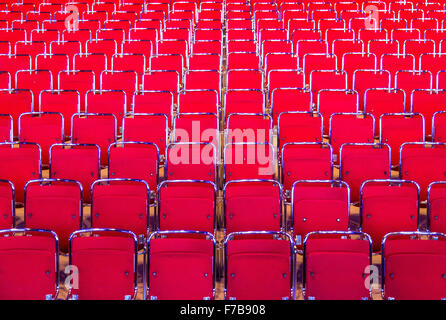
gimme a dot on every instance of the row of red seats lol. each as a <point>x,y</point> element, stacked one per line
<point>184,265</point>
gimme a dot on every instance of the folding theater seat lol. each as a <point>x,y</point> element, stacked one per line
<point>6,128</point>
<point>413,254</point>
<point>182,266</point>
<point>330,101</point>
<point>20,162</point>
<point>379,47</point>
<point>110,101</point>
<point>69,47</point>
<point>340,47</point>
<point>378,101</point>
<point>34,80</point>
<point>290,99</point>
<point>388,206</point>
<point>31,48</point>
<point>366,35</point>
<point>259,266</point>
<point>396,62</point>
<point>174,47</point>
<point>187,205</point>
<point>331,24</point>
<point>363,161</point>
<point>121,204</point>
<point>5,46</point>
<point>209,46</point>
<point>317,61</point>
<point>14,103</point>
<point>348,254</point>
<point>248,161</point>
<point>299,126</point>
<point>129,61</point>
<point>65,102</point>
<point>248,127</point>
<point>20,249</point>
<point>199,101</point>
<point>53,62</point>
<point>318,205</point>
<point>417,47</point>
<point>441,79</point>
<point>398,128</point>
<point>242,197</point>
<point>354,61</point>
<point>43,128</point>
<point>191,160</point>
<point>134,160</point>
<point>410,80</point>
<point>305,161</point>
<point>203,79</point>
<point>436,35</point>
<point>243,60</point>
<point>168,61</point>
<point>13,63</point>
<point>196,127</point>
<point>366,79</point>
<point>54,204</point>
<point>205,61</point>
<point>327,79</point>
<point>14,35</point>
<point>89,248</point>
<point>438,126</point>
<point>7,204</point>
<point>350,128</point>
<point>284,79</point>
<point>93,62</point>
<point>244,79</point>
<point>427,102</point>
<point>140,47</point>
<point>146,127</point>
<point>413,159</point>
<point>126,81</point>
<point>79,80</point>
<point>94,128</point>
<point>80,162</point>
<point>162,80</point>
<point>435,207</point>
<point>244,101</point>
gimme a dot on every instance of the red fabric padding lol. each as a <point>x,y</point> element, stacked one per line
<point>437,203</point>
<point>319,207</point>
<point>180,269</point>
<point>27,267</point>
<point>252,206</point>
<point>106,267</point>
<point>415,269</point>
<point>120,205</point>
<point>187,206</point>
<point>258,269</point>
<point>54,207</point>
<point>335,269</point>
<point>388,209</point>
<point>6,203</point>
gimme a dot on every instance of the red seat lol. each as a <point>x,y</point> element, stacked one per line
<point>396,62</point>
<point>318,205</point>
<point>259,268</point>
<point>253,205</point>
<point>191,160</point>
<point>248,161</point>
<point>53,204</point>
<point>134,160</point>
<point>418,254</point>
<point>7,204</point>
<point>187,205</point>
<point>299,126</point>
<point>366,79</point>
<point>290,99</point>
<point>53,62</point>
<point>413,159</point>
<point>305,161</point>
<point>15,62</point>
<point>411,80</point>
<point>244,79</point>
<point>43,128</point>
<point>93,62</point>
<point>199,101</point>
<point>248,127</point>
<point>378,101</point>
<point>35,80</point>
<point>121,204</point>
<point>196,127</point>
<point>6,128</point>
<point>89,249</point>
<point>436,207</point>
<point>80,162</point>
<point>398,128</point>
<point>154,101</point>
<point>182,266</point>
<point>439,126</point>
<point>20,249</point>
<point>388,206</point>
<point>94,128</point>
<point>427,102</point>
<point>348,257</point>
<point>107,101</point>
<point>244,101</point>
<point>363,161</point>
<point>328,79</point>
<point>358,61</point>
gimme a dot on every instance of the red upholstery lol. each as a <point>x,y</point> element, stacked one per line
<point>303,161</point>
<point>251,205</point>
<point>248,128</point>
<point>54,205</point>
<point>120,205</point>
<point>425,259</point>
<point>437,207</point>
<point>319,206</point>
<point>335,268</point>
<point>196,127</point>
<point>76,162</point>
<point>6,205</point>
<point>134,161</point>
<point>180,269</point>
<point>17,254</point>
<point>187,205</point>
<point>299,127</point>
<point>107,101</point>
<point>106,265</point>
<point>258,269</point>
<point>388,207</point>
<point>363,162</point>
<point>427,102</point>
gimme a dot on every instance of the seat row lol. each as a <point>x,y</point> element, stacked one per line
<point>185,265</point>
